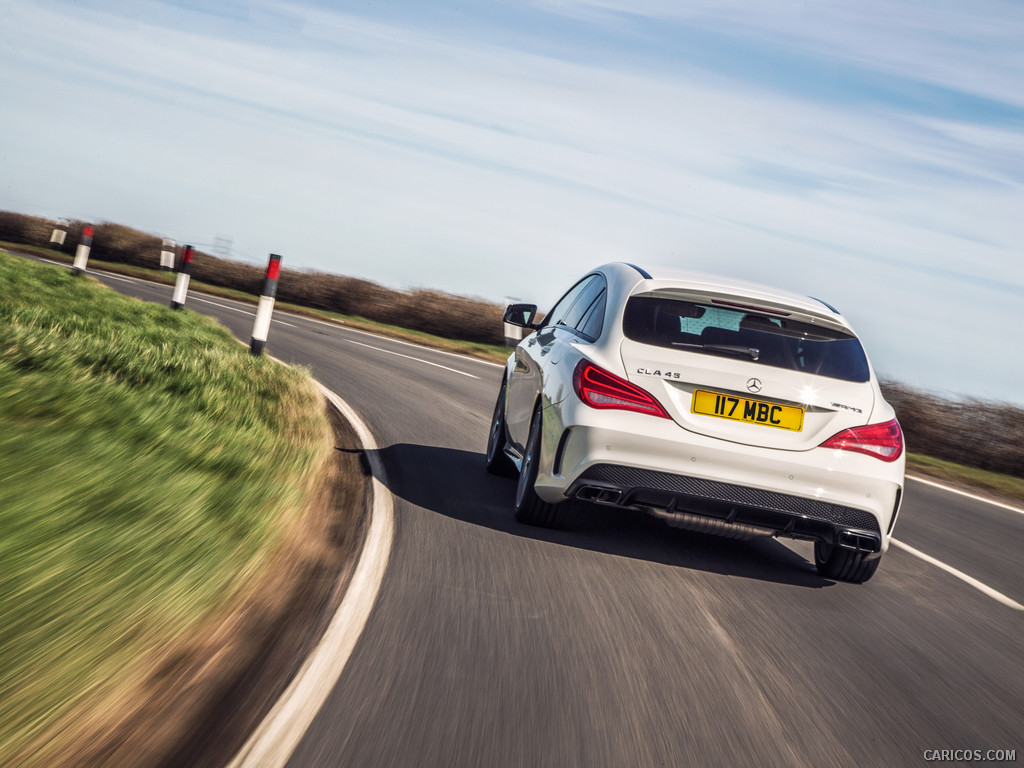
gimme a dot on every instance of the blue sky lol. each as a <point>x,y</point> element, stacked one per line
<point>868,153</point>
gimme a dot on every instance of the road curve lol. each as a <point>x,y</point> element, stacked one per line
<point>622,642</point>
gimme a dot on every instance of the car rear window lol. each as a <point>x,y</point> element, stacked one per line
<point>760,338</point>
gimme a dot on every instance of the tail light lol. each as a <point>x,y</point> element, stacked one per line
<point>600,389</point>
<point>883,441</point>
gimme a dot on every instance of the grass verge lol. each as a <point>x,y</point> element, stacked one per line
<point>1003,487</point>
<point>149,469</point>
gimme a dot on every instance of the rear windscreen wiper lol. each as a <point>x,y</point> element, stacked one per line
<point>729,349</point>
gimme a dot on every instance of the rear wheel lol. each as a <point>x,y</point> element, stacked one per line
<point>841,564</point>
<point>530,508</point>
<point>497,462</point>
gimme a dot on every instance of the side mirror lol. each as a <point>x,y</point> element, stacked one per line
<point>521,315</point>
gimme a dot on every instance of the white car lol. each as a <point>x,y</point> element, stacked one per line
<point>717,405</point>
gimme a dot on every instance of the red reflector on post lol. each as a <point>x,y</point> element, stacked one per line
<point>881,441</point>
<point>274,267</point>
<point>187,258</point>
<point>86,231</point>
<point>600,389</point>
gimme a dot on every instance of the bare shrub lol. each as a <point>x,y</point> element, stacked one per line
<point>30,230</point>
<point>114,242</point>
<point>226,273</point>
<point>111,242</point>
<point>976,433</point>
<point>335,293</point>
<point>435,312</point>
<point>443,314</point>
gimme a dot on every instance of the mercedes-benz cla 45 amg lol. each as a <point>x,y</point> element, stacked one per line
<point>716,405</point>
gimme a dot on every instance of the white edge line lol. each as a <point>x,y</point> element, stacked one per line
<point>410,357</point>
<point>236,309</point>
<point>274,740</point>
<point>50,261</point>
<point>969,495</point>
<point>983,588</point>
<point>224,306</point>
<point>350,329</point>
<point>112,276</point>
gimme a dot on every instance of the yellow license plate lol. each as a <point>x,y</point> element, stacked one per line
<point>751,411</point>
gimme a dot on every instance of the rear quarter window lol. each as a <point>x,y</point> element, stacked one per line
<point>566,303</point>
<point>593,322</point>
<point>584,301</point>
<point>762,339</point>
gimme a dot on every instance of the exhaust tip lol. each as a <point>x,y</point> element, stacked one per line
<point>859,542</point>
<point>599,495</point>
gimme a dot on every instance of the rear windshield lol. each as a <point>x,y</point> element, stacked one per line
<point>760,338</point>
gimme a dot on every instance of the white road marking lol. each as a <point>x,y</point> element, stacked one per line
<point>118,277</point>
<point>236,309</point>
<point>51,261</point>
<point>410,357</point>
<point>224,306</point>
<point>273,742</point>
<point>1018,510</point>
<point>983,588</point>
<point>193,297</point>
<point>341,326</point>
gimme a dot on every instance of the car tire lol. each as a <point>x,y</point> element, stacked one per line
<point>530,508</point>
<point>497,462</point>
<point>841,564</point>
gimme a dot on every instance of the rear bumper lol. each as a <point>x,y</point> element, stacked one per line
<point>652,464</point>
<point>727,508</point>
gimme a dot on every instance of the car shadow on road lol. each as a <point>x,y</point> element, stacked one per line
<point>455,483</point>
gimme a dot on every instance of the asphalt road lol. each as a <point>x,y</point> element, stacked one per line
<point>622,642</point>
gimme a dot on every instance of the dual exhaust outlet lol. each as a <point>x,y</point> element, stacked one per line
<point>858,542</point>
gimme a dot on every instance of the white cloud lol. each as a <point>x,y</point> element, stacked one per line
<point>972,46</point>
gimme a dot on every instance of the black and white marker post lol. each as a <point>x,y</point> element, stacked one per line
<point>265,309</point>
<point>181,284</point>
<point>167,256</point>
<point>82,254</point>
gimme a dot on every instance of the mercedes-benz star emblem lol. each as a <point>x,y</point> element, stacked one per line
<point>754,385</point>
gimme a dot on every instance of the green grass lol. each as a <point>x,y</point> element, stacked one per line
<point>148,466</point>
<point>1005,486</point>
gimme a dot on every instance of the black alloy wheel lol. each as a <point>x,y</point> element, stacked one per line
<point>497,462</point>
<point>531,508</point>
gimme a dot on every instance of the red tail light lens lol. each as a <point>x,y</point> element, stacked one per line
<point>600,389</point>
<point>883,441</point>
